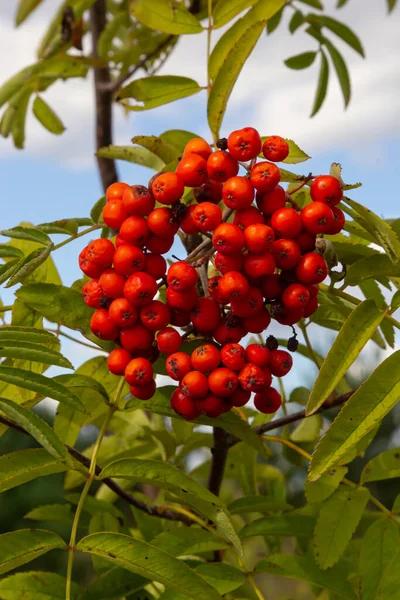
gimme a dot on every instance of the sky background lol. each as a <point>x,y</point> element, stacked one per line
<point>56,177</point>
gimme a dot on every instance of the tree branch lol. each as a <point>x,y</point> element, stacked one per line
<point>103,97</point>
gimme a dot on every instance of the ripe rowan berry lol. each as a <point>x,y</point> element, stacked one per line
<point>101,252</point>
<point>120,242</point>
<point>306,242</point>
<point>257,323</point>
<point>286,222</point>
<point>181,276</point>
<point>205,315</point>
<point>115,191</point>
<point>210,191</point>
<point>135,231</point>
<point>92,294</point>
<point>244,144</point>
<point>213,289</point>
<point>168,188</point>
<point>156,245</point>
<point>122,313</point>
<point>198,146</point>
<point>140,289</point>
<point>101,325</point>
<point>118,360</point>
<point>250,305</point>
<point>143,392</point>
<point>162,223</point>
<point>259,265</point>
<point>155,315</point>
<point>139,371</point>
<point>223,382</point>
<point>155,265</point>
<point>286,316</point>
<point>311,307</point>
<point>228,262</point>
<point>184,406</point>
<point>194,384</point>
<point>271,287</point>
<point>338,221</point>
<point>280,362</point>
<point>221,166</point>
<point>138,200</point>
<point>268,401</point>
<point>238,193</point>
<point>192,169</point>
<point>178,365</point>
<point>137,337</point>
<point>259,238</point>
<point>265,176</point>
<point>269,202</point>
<point>251,378</point>
<point>114,214</point>
<point>168,340</point>
<point>128,259</point>
<point>295,296</point>
<point>212,406</point>
<point>246,217</point>
<point>229,331</point>
<point>257,355</point>
<point>88,267</point>
<point>312,268</point>
<point>184,301</point>
<point>326,188</point>
<point>179,317</point>
<point>286,253</point>
<point>239,397</point>
<point>233,285</point>
<point>275,148</point>
<point>205,358</point>
<point>112,283</point>
<point>228,239</point>
<point>317,217</point>
<point>207,216</point>
<point>233,356</point>
<point>187,224</point>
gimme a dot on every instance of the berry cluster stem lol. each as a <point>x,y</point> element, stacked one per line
<point>90,477</point>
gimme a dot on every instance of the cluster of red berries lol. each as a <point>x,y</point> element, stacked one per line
<point>263,254</point>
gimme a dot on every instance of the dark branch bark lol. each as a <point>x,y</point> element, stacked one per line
<point>103,97</point>
<point>219,453</point>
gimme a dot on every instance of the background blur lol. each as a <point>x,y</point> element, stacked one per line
<point>56,176</point>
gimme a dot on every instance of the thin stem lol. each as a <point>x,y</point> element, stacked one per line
<point>5,308</point>
<point>76,236</point>
<point>69,337</point>
<point>288,443</point>
<point>255,587</point>
<point>90,477</point>
<point>313,356</point>
<point>186,513</point>
<point>302,184</point>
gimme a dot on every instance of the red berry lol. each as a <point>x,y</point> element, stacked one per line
<point>192,169</point>
<point>233,285</point>
<point>306,242</point>
<point>269,202</point>
<point>184,300</point>
<point>238,193</point>
<point>198,146</point>
<point>311,307</point>
<point>157,245</point>
<point>210,191</point>
<point>205,358</point>
<point>143,392</point>
<point>275,148</point>
<point>155,265</point>
<point>179,317</point>
<point>248,306</point>
<point>280,362</point>
<point>317,217</point>
<point>257,323</point>
<point>244,144</point>
<point>295,296</point>
<point>259,265</point>
<point>246,217</point>
<point>128,259</point>
<point>257,355</point>
<point>205,315</point>
<point>252,378</point>
<point>135,231</point>
<point>268,401</point>
<point>207,216</point>
<point>259,238</point>
<point>139,372</point>
<point>178,365</point>
<point>168,188</point>
<point>194,384</point>
<point>286,222</point>
<point>101,252</point>
<point>168,340</point>
<point>184,406</point>
<point>88,267</point>
<point>138,200</point>
<point>115,191</point>
<point>239,397</point>
<point>271,287</point>
<point>188,224</point>
<point>112,283</point>
<point>326,188</point>
<point>223,382</point>
<point>92,294</point>
<point>155,316</point>
<point>137,337</point>
<point>102,327</point>
<point>233,356</point>
<point>122,313</point>
<point>228,239</point>
<point>118,360</point>
<point>212,406</point>
<point>228,262</point>
<point>162,223</point>
<point>312,268</point>
<point>286,253</point>
<point>265,176</point>
<point>338,221</point>
<point>181,276</point>
<point>221,166</point>
<point>140,289</point>
<point>114,214</point>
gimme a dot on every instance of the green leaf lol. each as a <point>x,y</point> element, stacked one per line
<point>34,425</point>
<point>148,561</point>
<point>27,233</point>
<point>384,466</point>
<point>314,3</point>
<point>159,146</point>
<point>300,395</point>
<point>230,54</point>
<point>395,303</point>
<point>341,71</point>
<point>354,334</point>
<point>47,117</point>
<point>10,252</point>
<point>339,29</point>
<point>97,209</point>
<point>177,138</point>
<point>317,491</point>
<point>51,512</point>
<point>304,568</point>
<point>308,430</point>
<point>379,556</point>
<point>322,86</point>
<point>114,583</point>
<point>25,465</point>
<point>40,384</point>
<point>19,119</point>
<point>183,540</point>
<point>226,10</point>
<point>20,547</point>
<point>262,504</point>
<point>24,9</point>
<point>164,15</point>
<point>34,335</point>
<point>371,267</point>
<point>36,585</point>
<point>66,226</point>
<point>290,524</point>
<point>224,578</point>
<point>391,5</point>
<point>296,21</point>
<point>8,269</point>
<point>139,156</point>
<point>28,264</point>
<point>274,21</point>
<point>156,90</point>
<point>337,522</point>
<point>301,61</point>
<point>383,233</point>
<point>361,413</point>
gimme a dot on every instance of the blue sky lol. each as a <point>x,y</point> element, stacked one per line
<point>56,177</point>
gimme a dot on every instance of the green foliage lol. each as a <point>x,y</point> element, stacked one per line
<point>20,547</point>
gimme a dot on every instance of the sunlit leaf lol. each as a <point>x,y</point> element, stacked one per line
<point>322,86</point>
<point>384,466</point>
<point>317,491</point>
<point>36,585</point>
<point>163,15</point>
<point>290,524</point>
<point>24,9</point>
<point>296,21</point>
<point>115,583</point>
<point>159,146</point>
<point>28,264</point>
<point>27,233</point>
<point>47,117</point>
<point>339,29</point>
<point>20,547</point>
<point>341,71</point>
<point>157,90</point>
<point>139,156</point>
<point>34,353</point>
<point>184,540</point>
<point>25,465</point>
<point>226,10</point>
<point>301,61</point>
<point>262,504</point>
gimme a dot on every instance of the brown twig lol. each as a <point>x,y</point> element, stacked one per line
<point>219,454</point>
